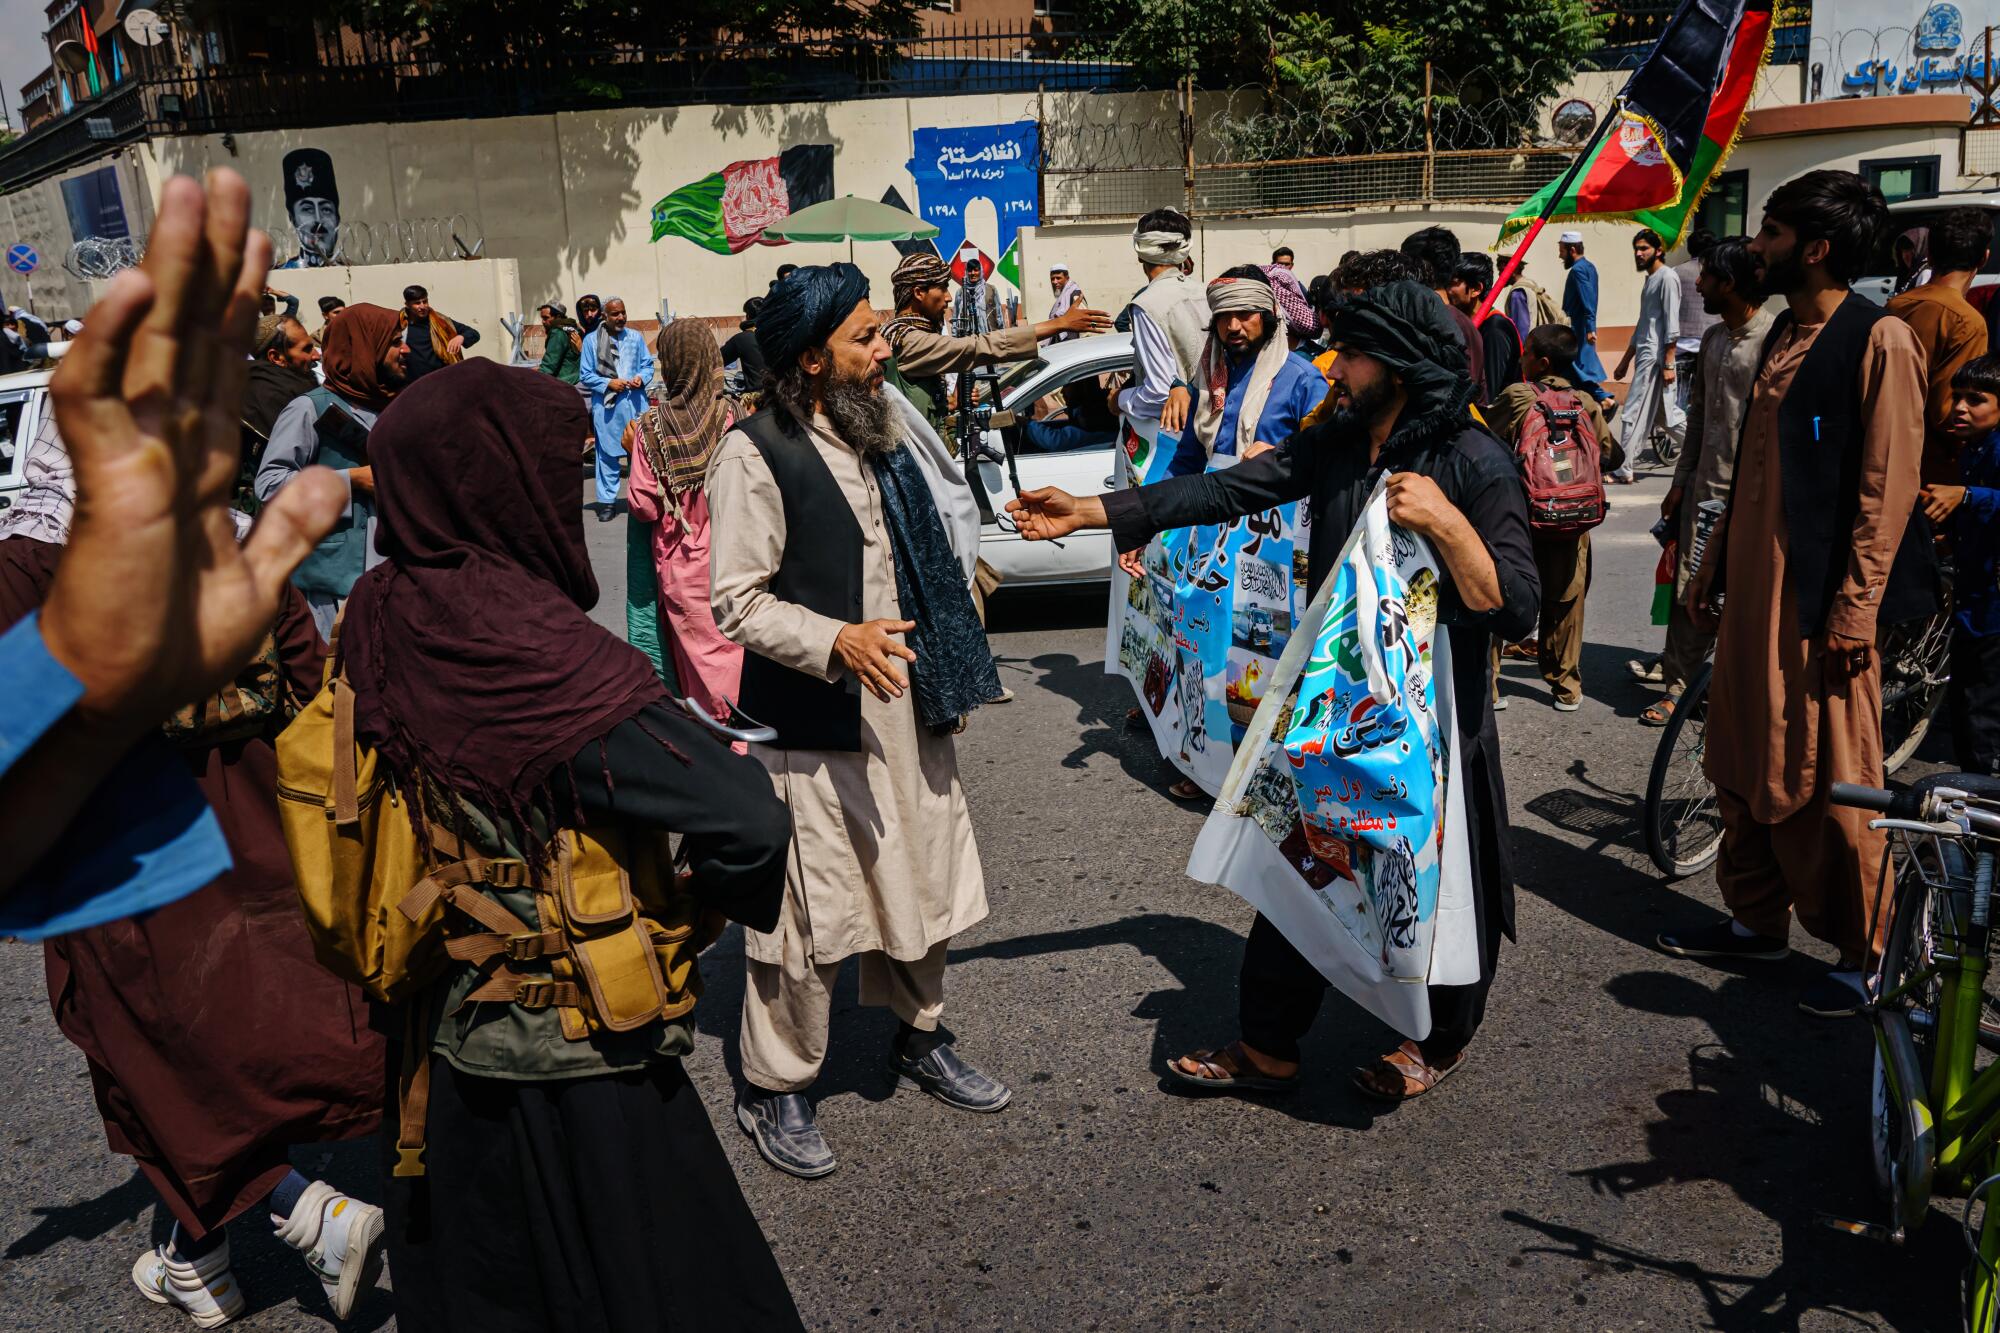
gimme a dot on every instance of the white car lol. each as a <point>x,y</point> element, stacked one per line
<point>1061,449</point>
<point>24,398</point>
<point>1923,211</point>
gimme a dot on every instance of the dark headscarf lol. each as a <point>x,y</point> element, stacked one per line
<point>681,430</point>
<point>803,310</point>
<point>356,343</point>
<point>474,666</point>
<point>1403,325</point>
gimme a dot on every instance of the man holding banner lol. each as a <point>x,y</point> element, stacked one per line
<point>1401,392</point>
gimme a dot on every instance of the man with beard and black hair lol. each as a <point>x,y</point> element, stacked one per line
<point>1252,391</point>
<point>1401,393</point>
<point>328,425</point>
<point>1817,551</point>
<point>1433,254</point>
<point>1650,356</point>
<point>841,565</point>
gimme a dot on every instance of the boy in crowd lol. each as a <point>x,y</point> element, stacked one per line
<point>1973,510</point>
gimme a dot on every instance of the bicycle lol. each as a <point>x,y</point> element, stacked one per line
<point>1936,1113</point>
<point>1683,827</point>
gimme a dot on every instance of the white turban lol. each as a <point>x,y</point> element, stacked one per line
<point>1161,247</point>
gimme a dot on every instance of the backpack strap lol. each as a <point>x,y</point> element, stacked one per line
<point>413,1091</point>
<point>346,792</point>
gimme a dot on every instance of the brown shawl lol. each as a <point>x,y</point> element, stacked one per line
<point>356,345</point>
<point>442,332</point>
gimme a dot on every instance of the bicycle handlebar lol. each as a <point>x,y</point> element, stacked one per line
<point>1911,804</point>
<point>1862,797</point>
<point>755,734</point>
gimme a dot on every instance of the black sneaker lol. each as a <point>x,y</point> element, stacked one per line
<point>605,513</point>
<point>1719,939</point>
<point>949,1079</point>
<point>781,1124</point>
<point>1834,994</point>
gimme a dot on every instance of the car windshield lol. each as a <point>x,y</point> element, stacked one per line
<point>1019,373</point>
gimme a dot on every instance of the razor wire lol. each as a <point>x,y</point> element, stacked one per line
<point>101,257</point>
<point>401,241</point>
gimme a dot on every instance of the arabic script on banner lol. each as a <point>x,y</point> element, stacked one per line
<point>1200,636</point>
<point>1342,818</point>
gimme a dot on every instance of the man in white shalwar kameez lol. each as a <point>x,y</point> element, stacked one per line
<point>805,575</point>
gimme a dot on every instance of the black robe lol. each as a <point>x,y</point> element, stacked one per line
<point>1327,466</point>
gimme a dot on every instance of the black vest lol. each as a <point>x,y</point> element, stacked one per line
<point>1819,459</point>
<point>820,570</point>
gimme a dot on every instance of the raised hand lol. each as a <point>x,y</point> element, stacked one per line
<point>870,650</point>
<point>155,603</point>
<point>1048,514</point>
<point>1082,319</point>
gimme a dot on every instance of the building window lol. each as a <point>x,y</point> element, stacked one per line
<point>1725,209</point>
<point>1902,177</point>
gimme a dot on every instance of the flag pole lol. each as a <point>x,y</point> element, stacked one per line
<point>1555,199</point>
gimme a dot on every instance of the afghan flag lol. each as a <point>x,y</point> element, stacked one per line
<point>1676,121</point>
<point>727,211</point>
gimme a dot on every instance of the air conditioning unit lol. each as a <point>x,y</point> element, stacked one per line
<point>99,127</point>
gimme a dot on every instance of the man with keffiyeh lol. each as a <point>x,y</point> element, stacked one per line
<point>1401,389</point>
<point>1253,391</point>
<point>843,542</point>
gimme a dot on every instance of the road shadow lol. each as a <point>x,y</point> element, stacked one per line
<point>1199,1012</point>
<point>1102,703</point>
<point>1774,1109</point>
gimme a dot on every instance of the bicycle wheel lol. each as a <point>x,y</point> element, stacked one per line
<point>1916,669</point>
<point>1683,824</point>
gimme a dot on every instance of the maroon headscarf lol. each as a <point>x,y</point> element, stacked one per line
<point>356,344</point>
<point>473,664</point>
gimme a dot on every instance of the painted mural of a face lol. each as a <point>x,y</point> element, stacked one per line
<point>312,202</point>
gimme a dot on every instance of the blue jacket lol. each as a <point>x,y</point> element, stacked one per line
<point>147,836</point>
<point>1580,297</point>
<point>1295,391</point>
<point>1975,538</point>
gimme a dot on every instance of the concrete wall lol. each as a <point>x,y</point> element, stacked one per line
<point>568,198</point>
<point>36,216</point>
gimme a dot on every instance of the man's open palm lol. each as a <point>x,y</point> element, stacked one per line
<point>155,603</point>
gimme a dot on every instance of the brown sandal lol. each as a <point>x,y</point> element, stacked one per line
<point>1187,789</point>
<point>1659,714</point>
<point>1406,1063</point>
<point>1232,1072</point>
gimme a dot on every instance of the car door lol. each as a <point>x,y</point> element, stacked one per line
<point>21,403</point>
<point>1082,466</point>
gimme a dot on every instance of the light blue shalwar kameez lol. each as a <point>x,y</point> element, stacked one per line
<point>611,413</point>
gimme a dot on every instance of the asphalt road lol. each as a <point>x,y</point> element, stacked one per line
<point>1638,1141</point>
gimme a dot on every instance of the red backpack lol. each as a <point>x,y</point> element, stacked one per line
<point>1561,462</point>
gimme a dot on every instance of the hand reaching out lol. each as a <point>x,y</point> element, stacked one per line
<point>1048,514</point>
<point>1133,563</point>
<point>1174,415</point>
<point>155,603</point>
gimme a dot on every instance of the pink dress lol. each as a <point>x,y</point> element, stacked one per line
<point>710,667</point>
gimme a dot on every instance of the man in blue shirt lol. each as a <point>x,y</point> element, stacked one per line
<point>1253,389</point>
<point>1580,305</point>
<point>154,603</point>
<point>616,369</point>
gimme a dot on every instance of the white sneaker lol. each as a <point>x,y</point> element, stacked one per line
<point>1567,705</point>
<point>341,1239</point>
<point>204,1288</point>
<point>1500,704</point>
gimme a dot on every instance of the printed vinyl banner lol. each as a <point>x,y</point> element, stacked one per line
<point>1343,819</point>
<point>1201,635</point>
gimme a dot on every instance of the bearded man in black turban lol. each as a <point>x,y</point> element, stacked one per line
<point>839,560</point>
<point>1400,391</point>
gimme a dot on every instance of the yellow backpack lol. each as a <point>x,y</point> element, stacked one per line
<point>616,929</point>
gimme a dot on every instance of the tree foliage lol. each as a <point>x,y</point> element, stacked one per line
<point>1349,75</point>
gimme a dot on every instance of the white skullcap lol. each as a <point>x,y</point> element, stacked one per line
<point>1058,266</point>
<point>1570,238</point>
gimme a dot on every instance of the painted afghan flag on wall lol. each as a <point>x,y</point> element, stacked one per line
<point>727,211</point>
<point>1678,117</point>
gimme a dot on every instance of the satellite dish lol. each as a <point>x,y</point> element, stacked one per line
<point>145,27</point>
<point>69,54</point>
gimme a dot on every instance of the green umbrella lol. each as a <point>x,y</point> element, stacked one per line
<point>851,219</point>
